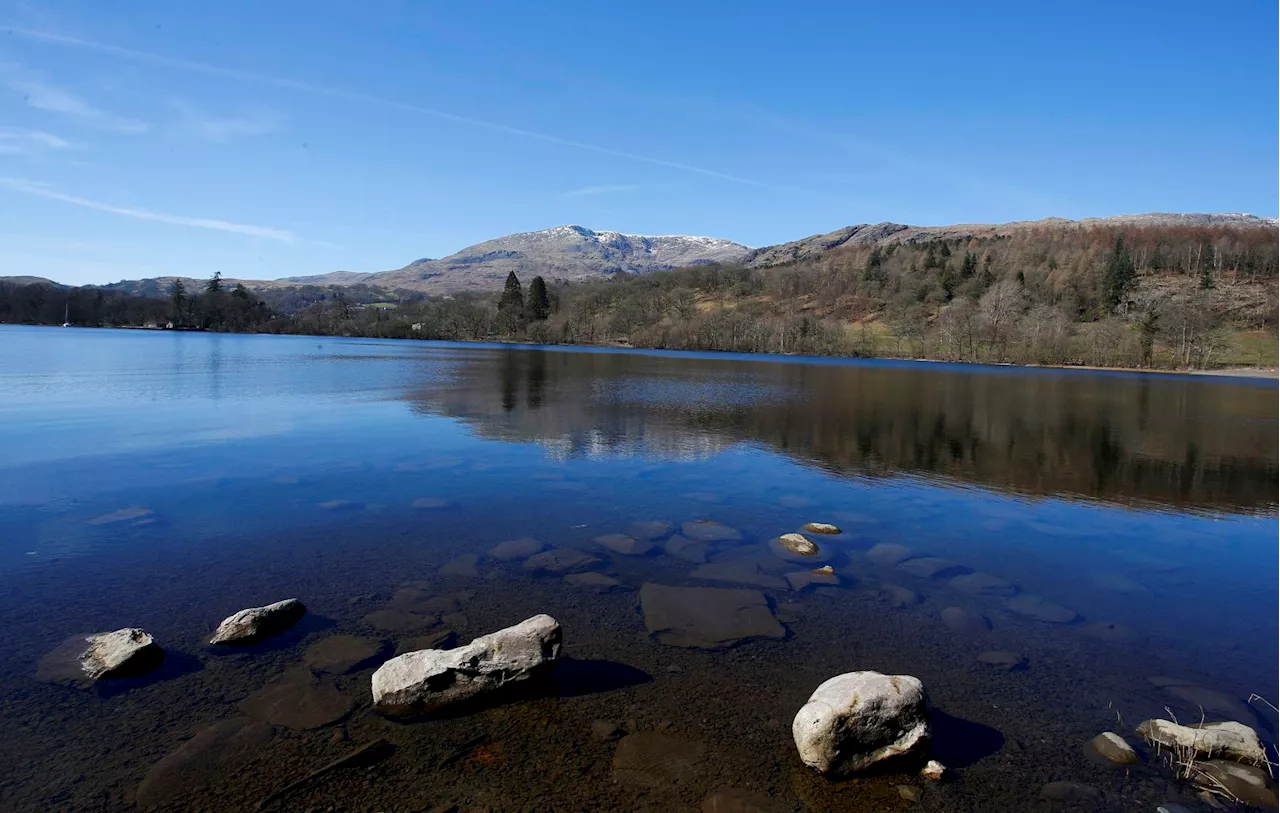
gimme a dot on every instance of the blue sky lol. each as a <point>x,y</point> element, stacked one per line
<point>283,138</point>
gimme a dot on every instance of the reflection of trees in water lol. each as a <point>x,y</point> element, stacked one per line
<point>1164,440</point>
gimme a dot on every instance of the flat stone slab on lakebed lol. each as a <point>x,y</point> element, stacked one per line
<point>707,617</point>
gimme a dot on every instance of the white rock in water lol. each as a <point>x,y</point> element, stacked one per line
<point>256,623</point>
<point>1231,740</point>
<point>420,682</point>
<point>933,770</point>
<point>83,659</point>
<point>860,718</point>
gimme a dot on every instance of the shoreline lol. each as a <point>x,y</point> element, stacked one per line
<point>1250,373</point>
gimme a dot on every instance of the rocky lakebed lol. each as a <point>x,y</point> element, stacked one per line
<point>656,666</point>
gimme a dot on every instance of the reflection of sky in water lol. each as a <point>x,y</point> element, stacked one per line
<point>235,444</point>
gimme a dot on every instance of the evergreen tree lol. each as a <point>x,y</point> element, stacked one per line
<point>1120,274</point>
<point>874,263</point>
<point>537,306</point>
<point>214,285</point>
<point>1206,278</point>
<point>177,302</point>
<point>512,295</point>
<point>970,265</point>
<point>511,304</point>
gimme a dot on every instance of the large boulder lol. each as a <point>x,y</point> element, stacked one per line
<point>1227,740</point>
<point>256,623</point>
<point>424,681</point>
<point>84,659</point>
<point>857,719</point>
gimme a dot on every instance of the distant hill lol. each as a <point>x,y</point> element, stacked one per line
<point>31,281</point>
<point>563,253</point>
<point>579,254</point>
<point>867,234</point>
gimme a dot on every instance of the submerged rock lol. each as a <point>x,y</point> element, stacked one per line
<point>1248,783</point>
<point>984,584</point>
<point>684,548</point>
<point>256,623</point>
<point>623,544</point>
<point>650,531</point>
<point>606,730</point>
<point>560,560</point>
<point>821,528</point>
<point>440,639</point>
<point>707,617</point>
<point>738,800</point>
<point>461,567</point>
<point>656,760</point>
<point>83,659</point>
<point>888,554</point>
<point>705,530</point>
<point>1111,747</point>
<point>515,549</point>
<point>211,757</point>
<point>931,567</point>
<point>299,701</point>
<point>396,619</point>
<point>1199,698</point>
<point>857,719</point>
<point>964,620</point>
<point>1008,661</point>
<point>340,654</point>
<point>1230,740</point>
<point>1070,792</point>
<point>1041,609</point>
<point>807,578</point>
<point>424,681</point>
<point>934,771</point>
<point>737,572</point>
<point>899,596</point>
<point>593,582</point>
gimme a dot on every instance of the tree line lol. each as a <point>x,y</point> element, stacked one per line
<point>1168,297</point>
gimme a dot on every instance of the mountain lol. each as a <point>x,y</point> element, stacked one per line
<point>569,253</point>
<point>866,234</point>
<point>31,281</point>
<point>577,254</point>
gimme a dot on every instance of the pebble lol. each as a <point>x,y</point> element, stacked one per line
<point>910,793</point>
<point>1111,747</point>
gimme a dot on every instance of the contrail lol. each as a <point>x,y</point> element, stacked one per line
<point>43,191</point>
<point>366,98</point>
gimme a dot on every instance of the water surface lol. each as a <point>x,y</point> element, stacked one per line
<point>165,480</point>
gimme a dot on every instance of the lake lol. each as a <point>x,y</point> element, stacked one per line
<point>166,480</point>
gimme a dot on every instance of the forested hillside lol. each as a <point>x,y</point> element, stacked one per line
<point>1136,296</point>
<point>1175,297</point>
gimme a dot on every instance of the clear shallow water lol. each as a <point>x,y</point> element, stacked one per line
<point>288,466</point>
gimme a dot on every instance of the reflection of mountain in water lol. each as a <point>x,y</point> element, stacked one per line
<point>1162,439</point>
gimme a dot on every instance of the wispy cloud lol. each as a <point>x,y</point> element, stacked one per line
<point>197,123</point>
<point>603,189</point>
<point>43,95</point>
<point>366,98</point>
<point>45,191</point>
<point>21,141</point>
